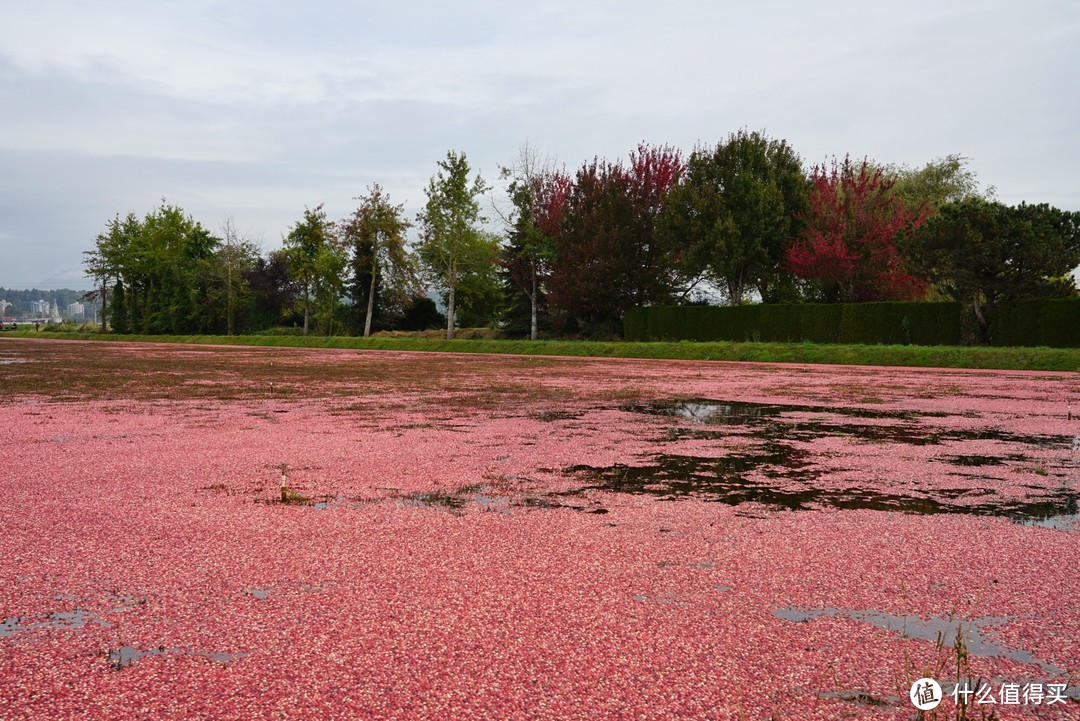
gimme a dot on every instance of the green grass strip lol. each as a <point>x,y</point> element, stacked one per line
<point>1039,359</point>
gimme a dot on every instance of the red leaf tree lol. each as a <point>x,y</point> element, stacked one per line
<point>847,250</point>
<point>608,256</point>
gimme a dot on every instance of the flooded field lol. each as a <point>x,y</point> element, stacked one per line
<point>214,532</point>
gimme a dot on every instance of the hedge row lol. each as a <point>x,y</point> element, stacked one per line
<point>1053,322</point>
<point>888,323</point>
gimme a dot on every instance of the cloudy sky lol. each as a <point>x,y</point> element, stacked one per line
<point>255,109</point>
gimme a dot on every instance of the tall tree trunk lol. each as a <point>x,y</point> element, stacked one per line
<point>982,315</point>
<point>532,303</point>
<point>230,299</point>
<point>104,299</point>
<point>306,303</point>
<point>450,313</point>
<point>370,300</point>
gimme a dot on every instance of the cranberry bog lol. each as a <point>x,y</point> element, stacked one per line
<point>222,532</point>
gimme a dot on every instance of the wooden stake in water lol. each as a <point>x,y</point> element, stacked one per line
<point>284,490</point>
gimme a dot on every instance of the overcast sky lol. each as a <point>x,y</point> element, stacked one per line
<point>256,109</point>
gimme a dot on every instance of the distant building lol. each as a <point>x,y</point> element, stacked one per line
<point>76,311</point>
<point>40,308</point>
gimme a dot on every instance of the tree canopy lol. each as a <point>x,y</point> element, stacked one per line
<point>981,252</point>
<point>736,207</point>
<point>608,255</point>
<point>847,250</point>
<point>158,260</point>
<point>452,245</point>
<point>380,261</point>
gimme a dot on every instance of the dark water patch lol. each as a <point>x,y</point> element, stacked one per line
<point>726,480</point>
<point>912,434</point>
<point>292,497</point>
<point>710,411</point>
<point>60,620</point>
<point>488,498</point>
<point>492,503</point>
<point>220,656</point>
<point>122,657</point>
<point>975,641</point>
<point>559,501</point>
<point>435,499</point>
<point>715,479</point>
<point>550,416</point>
<point>984,460</point>
<point>768,422</point>
<point>482,496</point>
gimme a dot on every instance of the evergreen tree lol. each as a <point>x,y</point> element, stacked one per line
<point>118,312</point>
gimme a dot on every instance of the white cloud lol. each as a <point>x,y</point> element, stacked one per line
<point>258,108</point>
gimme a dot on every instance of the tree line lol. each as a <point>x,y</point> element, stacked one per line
<point>742,220</point>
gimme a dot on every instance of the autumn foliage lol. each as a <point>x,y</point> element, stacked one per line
<point>608,257</point>
<point>848,248</point>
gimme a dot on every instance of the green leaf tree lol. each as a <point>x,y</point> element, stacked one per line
<point>480,294</point>
<point>981,252</point>
<point>306,248</point>
<point>451,242</point>
<point>226,272</point>
<point>737,206</point>
<point>159,261</point>
<point>118,311</point>
<point>538,194</point>
<point>941,181</point>
<point>381,263</point>
<point>330,268</point>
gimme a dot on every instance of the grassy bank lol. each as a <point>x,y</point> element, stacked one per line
<point>1045,359</point>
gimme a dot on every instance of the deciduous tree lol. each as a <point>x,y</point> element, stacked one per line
<point>306,248</point>
<point>942,180</point>
<point>273,292</point>
<point>608,256</point>
<point>226,271</point>
<point>847,250</point>
<point>736,207</point>
<point>158,260</point>
<point>381,263</point>
<point>538,193</point>
<point>451,243</point>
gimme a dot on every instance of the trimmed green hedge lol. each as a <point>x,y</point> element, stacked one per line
<point>892,323</point>
<point>1053,322</point>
